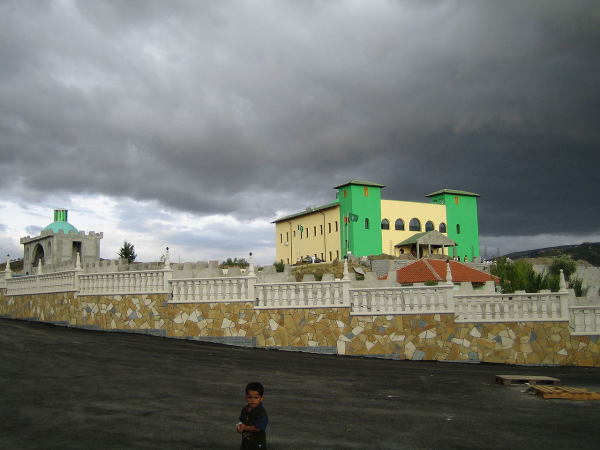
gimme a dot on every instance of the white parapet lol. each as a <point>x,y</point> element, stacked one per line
<point>120,283</point>
<point>402,300</point>
<point>477,307</point>
<point>324,294</point>
<point>585,320</point>
<point>42,283</point>
<point>517,307</point>
<point>209,290</point>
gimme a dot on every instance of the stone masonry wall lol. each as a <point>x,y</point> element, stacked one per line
<point>324,330</point>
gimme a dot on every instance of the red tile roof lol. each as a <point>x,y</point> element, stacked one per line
<point>425,270</point>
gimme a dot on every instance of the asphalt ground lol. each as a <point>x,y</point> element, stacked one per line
<point>65,388</point>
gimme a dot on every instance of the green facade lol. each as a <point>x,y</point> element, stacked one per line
<point>360,199</point>
<point>461,220</point>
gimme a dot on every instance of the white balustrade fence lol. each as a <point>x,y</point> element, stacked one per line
<point>302,295</point>
<point>543,306</point>
<point>146,282</point>
<point>402,300</point>
<point>229,289</point>
<point>41,284</point>
<point>585,320</point>
<point>518,307</point>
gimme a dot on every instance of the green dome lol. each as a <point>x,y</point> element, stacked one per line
<point>65,226</point>
<point>60,222</point>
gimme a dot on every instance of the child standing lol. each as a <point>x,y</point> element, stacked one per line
<point>253,419</point>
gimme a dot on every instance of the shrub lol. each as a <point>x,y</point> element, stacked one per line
<point>235,263</point>
<point>564,262</point>
<point>520,276</point>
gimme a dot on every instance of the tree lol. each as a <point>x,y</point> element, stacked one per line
<point>235,263</point>
<point>564,262</point>
<point>127,252</point>
<point>520,276</point>
<point>279,266</point>
<point>569,267</point>
<point>517,276</point>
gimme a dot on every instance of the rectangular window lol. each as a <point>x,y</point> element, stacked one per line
<point>330,256</point>
<point>366,191</point>
<point>456,199</point>
<point>287,236</point>
<point>345,193</point>
<point>337,254</point>
<point>329,226</point>
<point>281,238</point>
<point>336,226</point>
<point>315,231</point>
<point>321,231</point>
<point>294,234</point>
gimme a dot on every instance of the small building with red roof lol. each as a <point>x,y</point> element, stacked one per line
<point>434,270</point>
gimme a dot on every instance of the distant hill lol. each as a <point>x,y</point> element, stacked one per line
<point>15,266</point>
<point>587,251</point>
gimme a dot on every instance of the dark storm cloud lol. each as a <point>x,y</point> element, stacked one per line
<point>253,108</point>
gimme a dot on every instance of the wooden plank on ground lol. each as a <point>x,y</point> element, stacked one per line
<point>507,380</point>
<point>564,392</point>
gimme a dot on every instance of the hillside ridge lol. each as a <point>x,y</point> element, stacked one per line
<point>586,251</point>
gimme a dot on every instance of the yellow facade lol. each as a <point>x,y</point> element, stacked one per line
<point>321,230</point>
<point>393,210</point>
<point>320,236</point>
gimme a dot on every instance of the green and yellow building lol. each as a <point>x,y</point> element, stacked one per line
<point>360,222</point>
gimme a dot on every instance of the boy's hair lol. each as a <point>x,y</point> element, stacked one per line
<point>255,386</point>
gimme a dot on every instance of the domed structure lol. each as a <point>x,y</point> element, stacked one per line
<point>60,222</point>
<point>57,246</point>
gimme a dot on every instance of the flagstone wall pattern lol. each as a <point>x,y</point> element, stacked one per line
<point>327,330</point>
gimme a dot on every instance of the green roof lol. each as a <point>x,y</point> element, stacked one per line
<point>360,183</point>
<point>453,192</point>
<point>308,211</point>
<point>413,239</point>
<point>435,238</point>
<point>61,225</point>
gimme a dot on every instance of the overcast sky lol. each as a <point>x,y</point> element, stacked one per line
<point>195,124</point>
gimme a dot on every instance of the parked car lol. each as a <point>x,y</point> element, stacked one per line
<point>312,260</point>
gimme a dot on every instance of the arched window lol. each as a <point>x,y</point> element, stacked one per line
<point>429,226</point>
<point>366,224</point>
<point>385,224</point>
<point>442,227</point>
<point>457,229</point>
<point>399,225</point>
<point>38,253</point>
<point>415,225</point>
